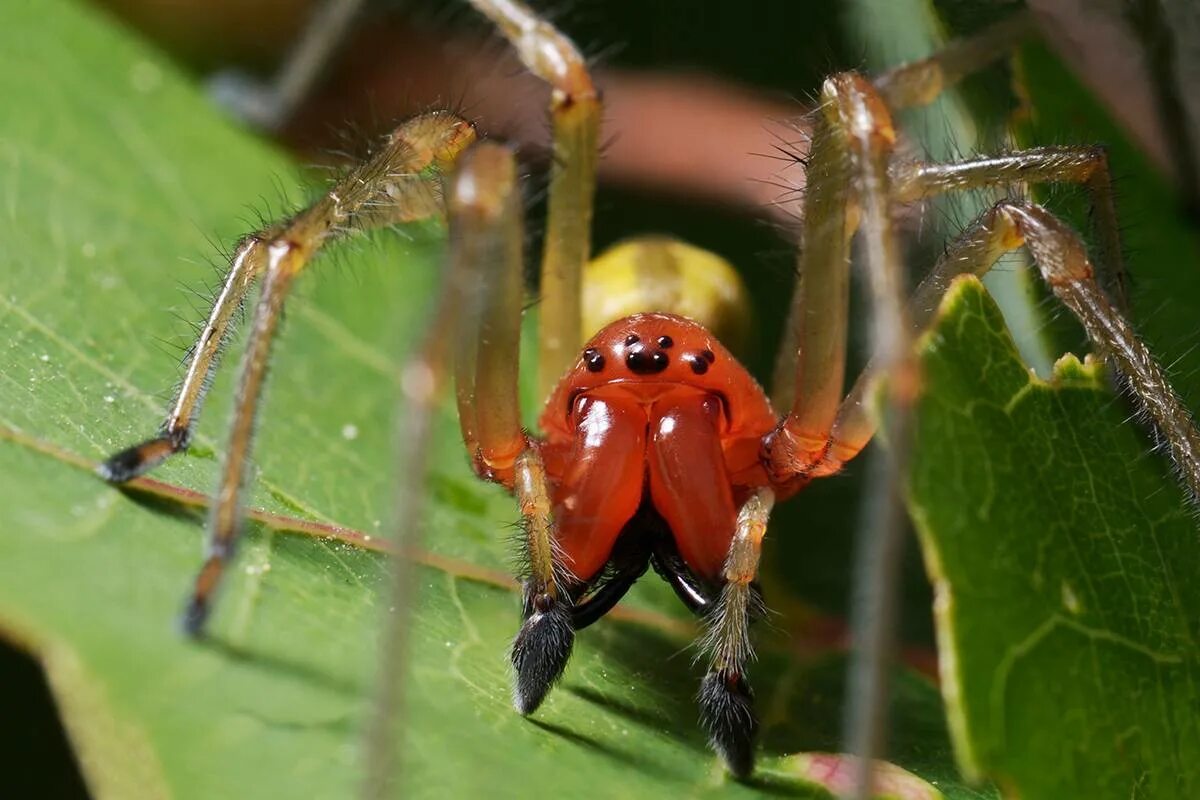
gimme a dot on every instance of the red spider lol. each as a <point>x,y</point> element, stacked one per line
<point>659,448</point>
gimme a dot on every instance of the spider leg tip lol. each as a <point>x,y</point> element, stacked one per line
<point>106,472</point>
<point>727,713</point>
<point>539,655</point>
<point>121,467</point>
<point>195,614</point>
<point>132,462</point>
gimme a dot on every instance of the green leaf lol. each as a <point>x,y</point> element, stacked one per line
<point>116,173</point>
<point>1061,547</point>
<point>1063,558</point>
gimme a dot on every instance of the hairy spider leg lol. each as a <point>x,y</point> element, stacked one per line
<point>809,367</point>
<point>575,118</point>
<point>726,699</point>
<point>1084,165</point>
<point>1061,256</point>
<point>1081,164</point>
<point>869,133</point>
<point>175,435</point>
<point>486,232</point>
<point>398,184</point>
<point>853,141</point>
<point>401,182</point>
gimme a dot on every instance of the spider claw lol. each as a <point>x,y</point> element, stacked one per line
<point>539,654</point>
<point>727,713</point>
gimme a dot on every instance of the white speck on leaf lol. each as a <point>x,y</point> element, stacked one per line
<point>1070,600</point>
<point>145,77</point>
<point>349,432</point>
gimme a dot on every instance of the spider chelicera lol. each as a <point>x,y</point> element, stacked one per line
<point>657,448</point>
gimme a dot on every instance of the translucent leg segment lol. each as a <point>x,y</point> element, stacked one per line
<point>810,367</point>
<point>848,185</point>
<point>920,82</point>
<point>422,380</point>
<point>270,105</point>
<point>871,140</point>
<point>575,117</point>
<point>486,239</point>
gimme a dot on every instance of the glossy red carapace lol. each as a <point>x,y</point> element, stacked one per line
<point>655,410</point>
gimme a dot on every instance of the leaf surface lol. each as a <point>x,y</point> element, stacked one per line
<point>1064,572</point>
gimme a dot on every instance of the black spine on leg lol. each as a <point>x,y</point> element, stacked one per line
<point>540,651</point>
<point>727,714</point>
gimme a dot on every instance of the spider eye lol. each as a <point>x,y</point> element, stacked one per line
<point>643,363</point>
<point>665,341</point>
<point>632,339</point>
<point>593,359</point>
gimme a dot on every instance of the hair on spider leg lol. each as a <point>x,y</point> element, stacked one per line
<point>543,644</point>
<point>516,534</point>
<point>540,651</point>
<point>725,697</point>
<point>727,714</point>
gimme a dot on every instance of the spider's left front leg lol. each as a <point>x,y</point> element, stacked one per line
<point>486,237</point>
<point>726,700</point>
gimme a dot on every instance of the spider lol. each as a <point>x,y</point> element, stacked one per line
<point>657,448</point>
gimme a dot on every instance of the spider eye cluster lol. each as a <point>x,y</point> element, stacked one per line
<point>643,359</point>
<point>648,353</point>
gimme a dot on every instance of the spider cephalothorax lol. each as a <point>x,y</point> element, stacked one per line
<point>657,447</point>
<point>658,410</point>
